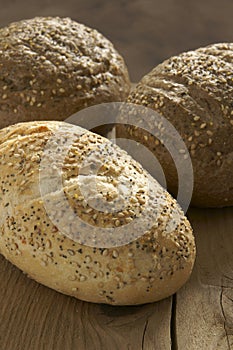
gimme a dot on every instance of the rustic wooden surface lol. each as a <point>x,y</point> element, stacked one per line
<point>199,316</point>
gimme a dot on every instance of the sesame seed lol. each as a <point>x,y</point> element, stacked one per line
<point>4,96</point>
<point>121,284</point>
<point>88,259</point>
<point>72,278</point>
<point>101,274</point>
<point>133,200</point>
<point>117,223</point>
<point>117,278</point>
<point>93,274</point>
<point>105,252</point>
<point>61,90</point>
<point>143,278</point>
<point>182,151</point>
<point>141,201</point>
<point>82,278</point>
<point>128,220</point>
<point>48,244</point>
<point>203,125</point>
<point>115,253</point>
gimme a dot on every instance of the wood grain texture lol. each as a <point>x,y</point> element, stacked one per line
<point>200,317</point>
<point>204,308</point>
<point>35,317</point>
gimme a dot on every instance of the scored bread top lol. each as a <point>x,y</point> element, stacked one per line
<point>194,91</point>
<point>145,267</point>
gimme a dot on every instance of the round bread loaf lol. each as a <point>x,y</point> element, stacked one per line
<point>52,67</point>
<point>154,256</point>
<point>193,91</point>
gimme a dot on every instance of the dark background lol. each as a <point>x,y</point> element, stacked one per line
<point>144,31</point>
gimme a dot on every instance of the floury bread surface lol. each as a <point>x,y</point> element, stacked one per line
<point>152,265</point>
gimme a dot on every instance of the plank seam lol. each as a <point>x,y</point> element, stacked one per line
<point>144,333</point>
<point>173,334</point>
<point>224,316</point>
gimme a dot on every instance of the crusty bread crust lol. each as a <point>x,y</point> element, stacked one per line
<point>194,91</point>
<point>152,267</point>
<point>52,67</point>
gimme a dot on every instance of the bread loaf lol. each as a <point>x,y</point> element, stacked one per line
<point>194,92</point>
<point>52,67</point>
<point>149,261</point>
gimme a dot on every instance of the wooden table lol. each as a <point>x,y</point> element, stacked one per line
<point>198,317</point>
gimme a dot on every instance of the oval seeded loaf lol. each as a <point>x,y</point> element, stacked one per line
<point>194,91</point>
<point>153,258</point>
<point>52,67</point>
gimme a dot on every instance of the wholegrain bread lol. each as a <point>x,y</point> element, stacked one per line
<point>52,67</point>
<point>150,266</point>
<point>194,92</point>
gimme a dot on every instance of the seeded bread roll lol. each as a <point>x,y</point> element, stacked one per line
<point>148,261</point>
<point>52,67</point>
<point>194,91</point>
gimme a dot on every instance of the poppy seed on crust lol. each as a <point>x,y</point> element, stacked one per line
<point>148,268</point>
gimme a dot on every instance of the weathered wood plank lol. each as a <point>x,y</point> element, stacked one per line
<point>204,310</point>
<point>35,317</point>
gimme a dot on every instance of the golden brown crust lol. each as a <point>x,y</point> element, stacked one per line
<point>52,67</point>
<point>194,91</point>
<point>151,267</point>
